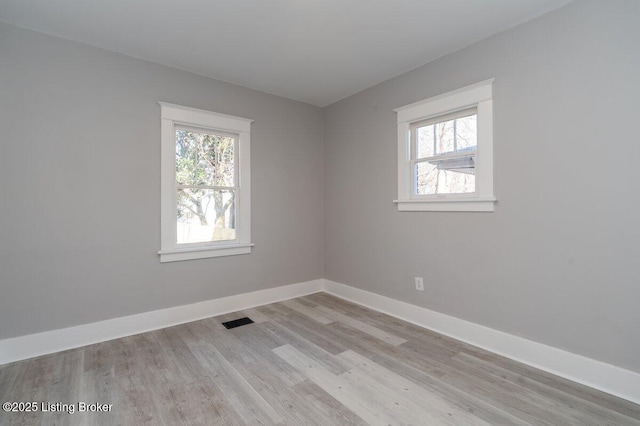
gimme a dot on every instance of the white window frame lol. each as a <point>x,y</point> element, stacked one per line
<point>176,115</point>
<point>478,96</point>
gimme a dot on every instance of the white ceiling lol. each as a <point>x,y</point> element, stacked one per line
<point>309,50</point>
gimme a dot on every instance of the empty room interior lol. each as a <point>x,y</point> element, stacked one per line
<point>411,212</point>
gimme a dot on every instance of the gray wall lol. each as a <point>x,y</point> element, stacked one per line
<point>80,193</point>
<point>558,261</point>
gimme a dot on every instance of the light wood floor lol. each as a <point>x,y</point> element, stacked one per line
<point>314,360</point>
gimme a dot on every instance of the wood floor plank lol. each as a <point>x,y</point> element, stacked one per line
<point>362,326</point>
<point>321,356</point>
<point>402,410</point>
<point>388,323</point>
<point>517,402</point>
<point>132,384</point>
<point>335,413</point>
<point>247,402</point>
<point>307,300</point>
<point>99,386</point>
<point>307,311</point>
<point>293,408</point>
<point>457,396</point>
<point>306,328</point>
<point>184,388</point>
<point>578,390</point>
<point>10,377</point>
<point>412,391</point>
<point>370,346</point>
<point>212,331</point>
<point>316,360</point>
<point>584,410</point>
<point>33,383</point>
<point>69,372</point>
<point>152,376</point>
<point>190,390</point>
<point>295,325</point>
<point>232,343</point>
<point>403,329</point>
<point>255,315</point>
<point>361,404</point>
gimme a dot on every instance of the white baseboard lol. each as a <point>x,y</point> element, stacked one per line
<point>596,374</point>
<point>32,345</point>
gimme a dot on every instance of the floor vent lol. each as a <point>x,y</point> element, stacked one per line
<point>237,323</point>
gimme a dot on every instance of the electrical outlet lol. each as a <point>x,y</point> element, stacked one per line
<point>419,284</point>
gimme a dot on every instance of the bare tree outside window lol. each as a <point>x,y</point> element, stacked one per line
<point>206,185</point>
<point>445,155</point>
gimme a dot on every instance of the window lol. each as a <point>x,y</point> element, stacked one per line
<point>445,152</point>
<point>205,179</point>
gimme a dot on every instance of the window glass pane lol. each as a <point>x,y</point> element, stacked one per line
<point>467,133</point>
<point>424,147</point>
<point>206,215</point>
<point>204,158</point>
<point>426,179</point>
<point>456,176</point>
<point>444,137</point>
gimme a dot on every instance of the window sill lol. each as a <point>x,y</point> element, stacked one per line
<point>447,205</point>
<point>175,255</point>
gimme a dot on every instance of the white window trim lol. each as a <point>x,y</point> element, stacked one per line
<point>480,96</point>
<point>172,115</point>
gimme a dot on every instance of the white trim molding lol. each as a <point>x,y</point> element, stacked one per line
<point>595,374</point>
<point>175,115</point>
<point>459,205</point>
<point>47,342</point>
<point>174,255</point>
<point>478,96</point>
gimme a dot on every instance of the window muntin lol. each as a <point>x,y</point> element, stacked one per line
<point>443,154</point>
<point>206,184</point>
